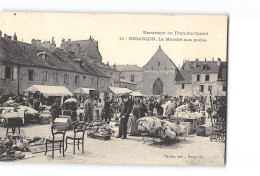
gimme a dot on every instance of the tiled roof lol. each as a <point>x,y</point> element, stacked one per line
<point>90,48</point>
<point>187,75</point>
<point>211,67</point>
<point>17,52</point>
<point>128,68</point>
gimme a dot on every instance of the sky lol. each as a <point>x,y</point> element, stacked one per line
<point>107,29</point>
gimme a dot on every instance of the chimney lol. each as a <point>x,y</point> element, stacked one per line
<point>195,63</point>
<point>53,41</point>
<point>205,59</point>
<point>91,39</point>
<point>33,42</point>
<point>219,61</point>
<point>0,33</point>
<point>213,59</point>
<point>114,66</point>
<point>38,42</point>
<point>15,37</point>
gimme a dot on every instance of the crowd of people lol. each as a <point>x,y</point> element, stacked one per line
<point>96,108</point>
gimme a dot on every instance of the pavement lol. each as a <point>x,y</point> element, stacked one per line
<point>195,150</point>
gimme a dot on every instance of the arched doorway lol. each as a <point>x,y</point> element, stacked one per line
<point>158,87</point>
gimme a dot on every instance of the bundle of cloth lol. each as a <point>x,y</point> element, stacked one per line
<point>162,128</point>
<point>149,125</point>
<point>28,110</point>
<point>172,130</point>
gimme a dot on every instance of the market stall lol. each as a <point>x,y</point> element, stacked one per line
<point>50,91</point>
<point>118,91</point>
<point>81,91</point>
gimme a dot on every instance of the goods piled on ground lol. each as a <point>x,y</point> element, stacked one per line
<point>99,130</point>
<point>15,147</point>
<point>162,128</point>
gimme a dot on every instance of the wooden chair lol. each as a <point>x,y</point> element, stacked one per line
<point>13,124</point>
<point>218,128</point>
<point>58,137</point>
<point>79,133</point>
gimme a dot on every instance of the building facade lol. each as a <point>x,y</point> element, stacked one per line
<point>202,78</point>
<point>160,75</point>
<point>88,51</point>
<point>23,65</point>
<point>131,74</point>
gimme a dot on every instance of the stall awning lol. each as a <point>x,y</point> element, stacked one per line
<point>49,90</point>
<point>119,91</point>
<point>82,90</point>
<point>136,94</point>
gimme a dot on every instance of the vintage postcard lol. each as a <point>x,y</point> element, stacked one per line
<point>113,88</point>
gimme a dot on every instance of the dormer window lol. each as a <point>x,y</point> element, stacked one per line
<point>43,55</point>
<point>205,67</point>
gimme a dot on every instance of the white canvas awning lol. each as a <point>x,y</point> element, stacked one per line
<point>49,90</point>
<point>136,94</point>
<point>82,90</point>
<point>119,91</point>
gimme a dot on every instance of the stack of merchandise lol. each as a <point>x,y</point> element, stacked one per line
<point>103,132</point>
<point>162,128</point>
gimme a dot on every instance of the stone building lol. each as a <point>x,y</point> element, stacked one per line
<point>88,51</point>
<point>160,75</point>
<point>23,65</point>
<point>202,78</point>
<point>127,84</point>
<point>131,74</point>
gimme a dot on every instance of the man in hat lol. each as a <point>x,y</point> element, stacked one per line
<point>124,116</point>
<point>88,110</point>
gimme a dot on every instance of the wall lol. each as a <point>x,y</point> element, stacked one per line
<point>187,91</point>
<point>138,76</point>
<point>11,86</point>
<point>212,78</point>
<point>167,77</point>
<point>128,85</point>
<point>113,74</point>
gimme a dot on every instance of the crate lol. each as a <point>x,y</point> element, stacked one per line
<point>95,136</point>
<point>201,131</point>
<point>188,126</point>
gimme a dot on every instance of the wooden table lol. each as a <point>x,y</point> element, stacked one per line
<point>13,121</point>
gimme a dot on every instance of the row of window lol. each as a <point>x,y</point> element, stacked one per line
<point>31,77</point>
<point>201,88</point>
<point>206,78</point>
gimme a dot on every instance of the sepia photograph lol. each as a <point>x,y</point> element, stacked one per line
<point>113,89</point>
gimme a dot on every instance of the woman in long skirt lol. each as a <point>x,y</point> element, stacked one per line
<point>133,126</point>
